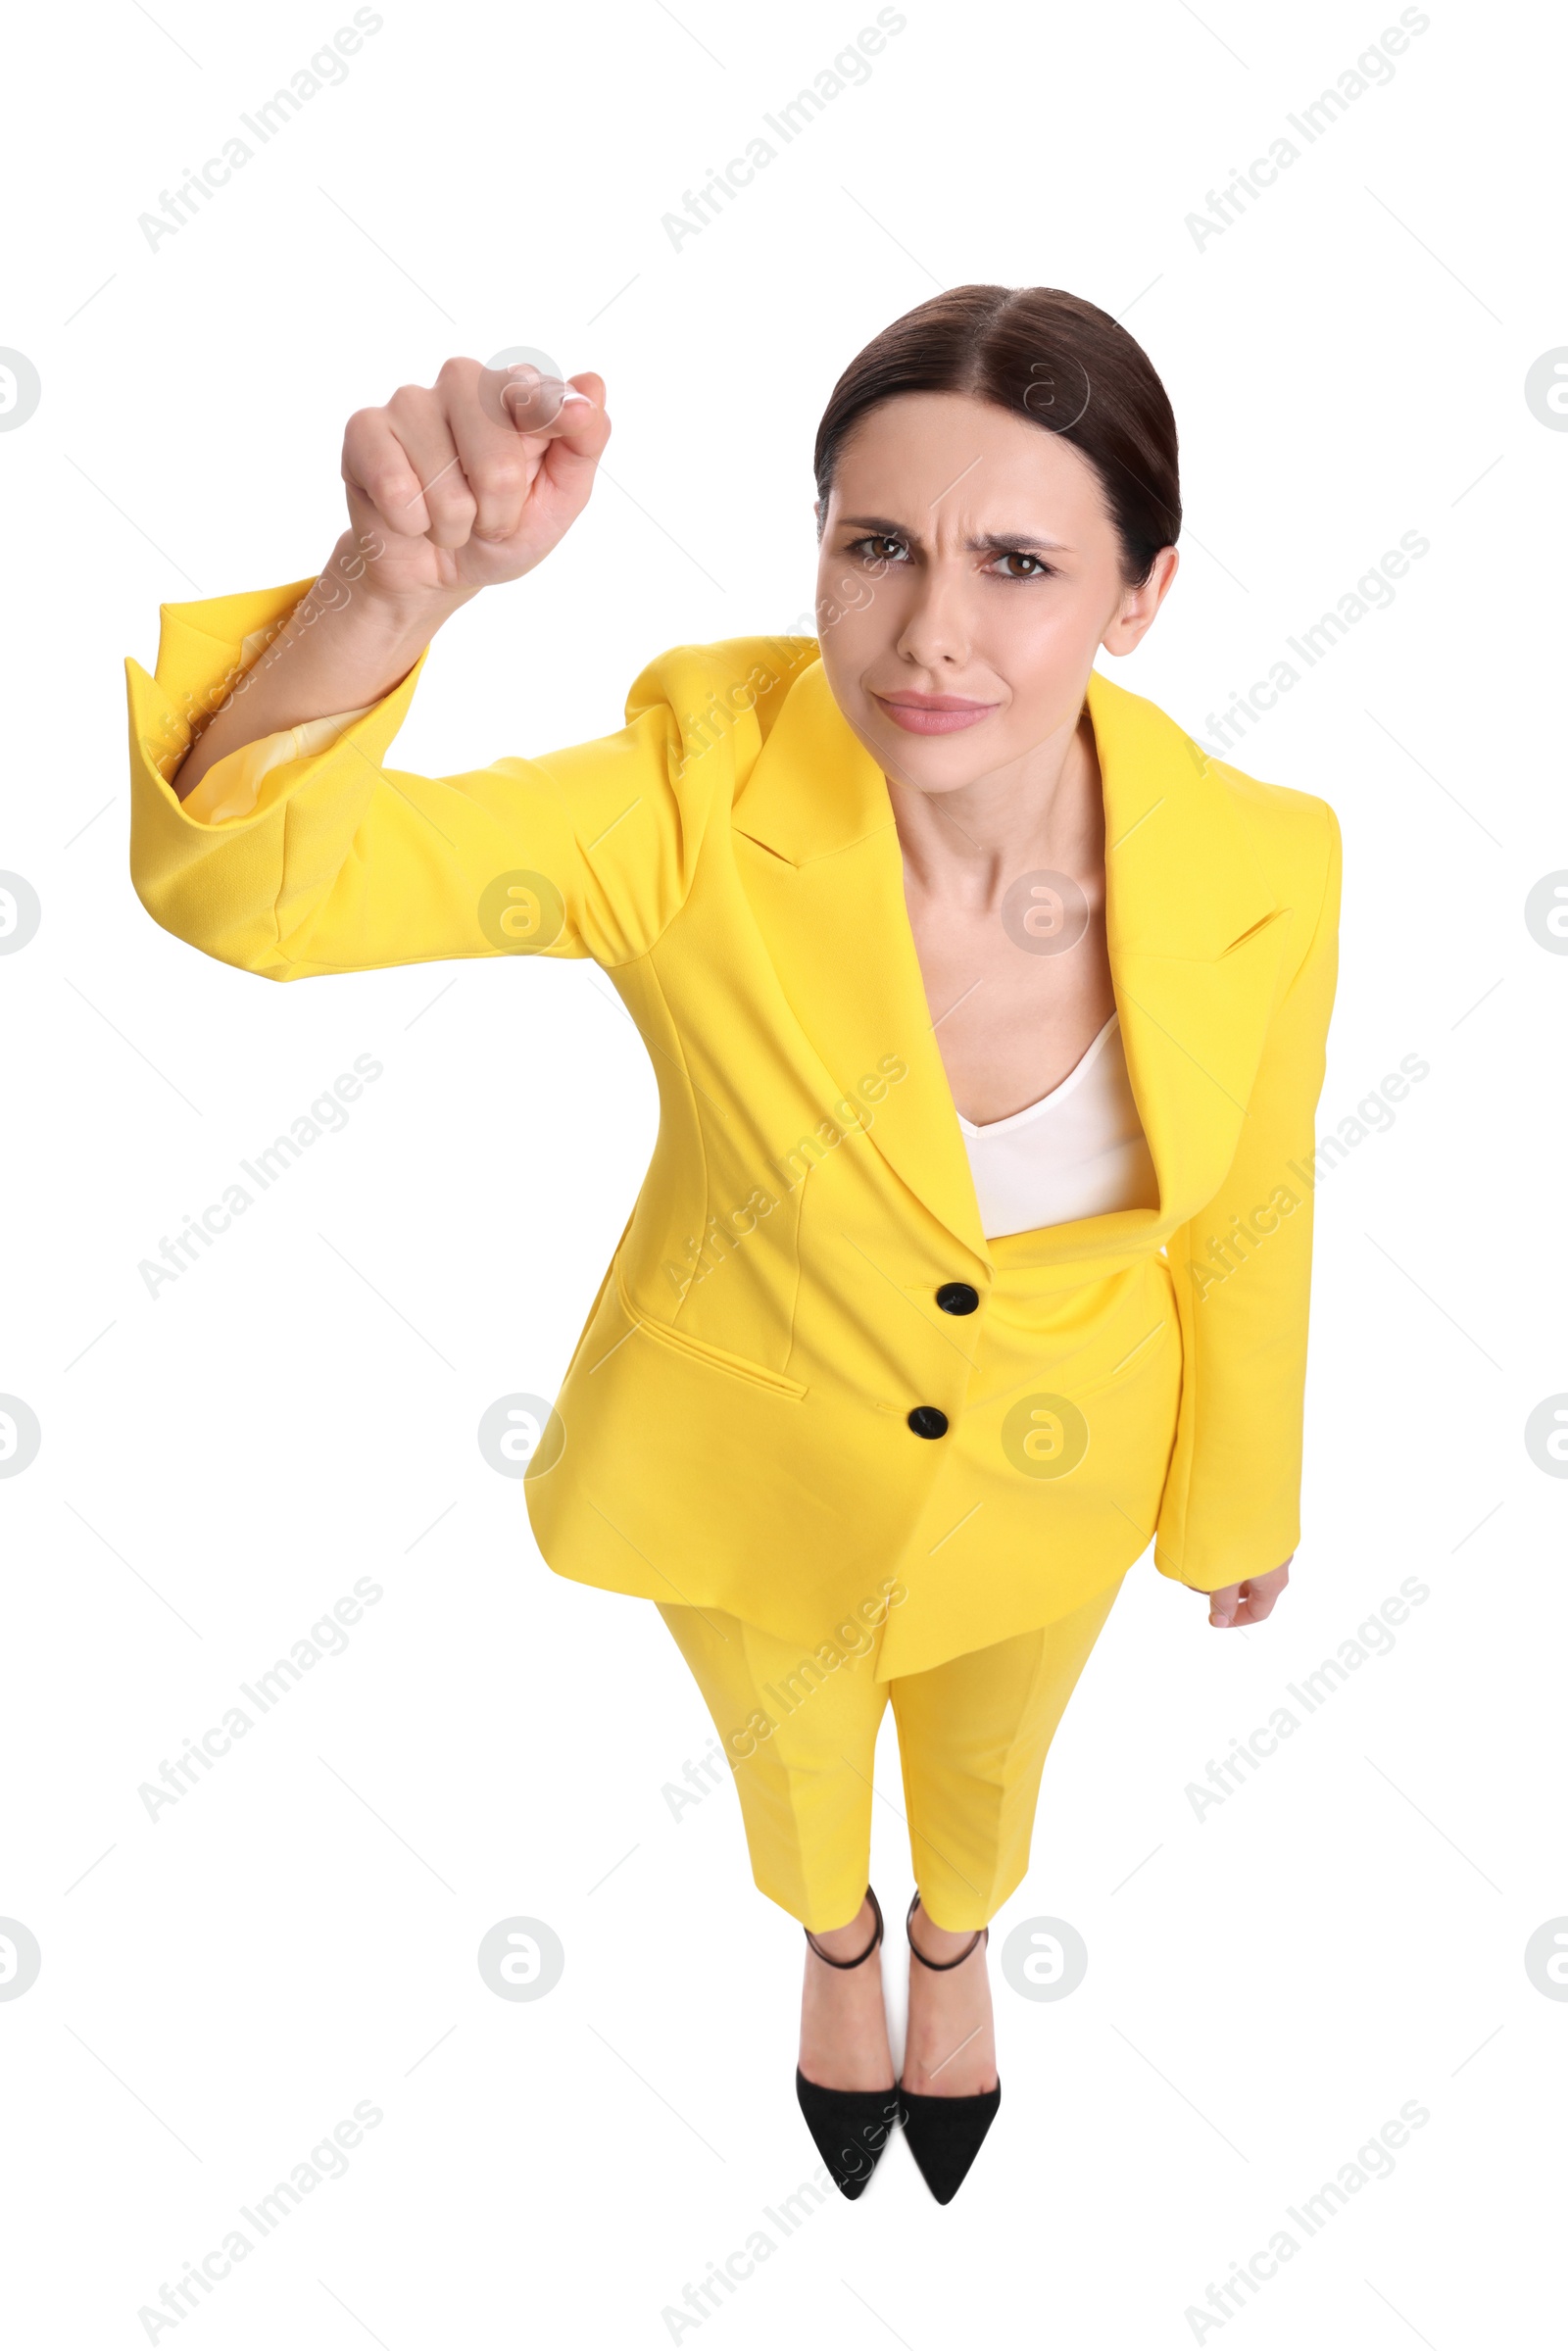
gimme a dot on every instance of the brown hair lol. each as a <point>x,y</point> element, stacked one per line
<point>1042,354</point>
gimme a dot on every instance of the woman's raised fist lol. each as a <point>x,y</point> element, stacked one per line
<point>474,481</point>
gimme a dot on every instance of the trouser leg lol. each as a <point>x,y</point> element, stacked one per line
<point>973,1735</point>
<point>801,1740</point>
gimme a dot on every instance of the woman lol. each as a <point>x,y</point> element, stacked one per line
<point>988,1015</point>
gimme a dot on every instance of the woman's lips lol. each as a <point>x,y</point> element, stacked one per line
<point>932,714</point>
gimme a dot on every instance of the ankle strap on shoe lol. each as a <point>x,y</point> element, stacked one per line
<point>827,1958</point>
<point>940,1967</point>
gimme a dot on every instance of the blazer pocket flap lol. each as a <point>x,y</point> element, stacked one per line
<point>702,1351</point>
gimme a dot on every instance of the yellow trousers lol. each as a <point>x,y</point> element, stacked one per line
<point>800,1736</point>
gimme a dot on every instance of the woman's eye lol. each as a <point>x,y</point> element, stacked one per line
<point>879,552</point>
<point>876,549</point>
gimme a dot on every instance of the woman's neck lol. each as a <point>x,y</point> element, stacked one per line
<point>1043,812</point>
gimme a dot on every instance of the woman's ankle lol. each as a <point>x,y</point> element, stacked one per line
<point>941,1943</point>
<point>847,1941</point>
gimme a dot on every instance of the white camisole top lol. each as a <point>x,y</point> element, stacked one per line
<point>1080,1150</point>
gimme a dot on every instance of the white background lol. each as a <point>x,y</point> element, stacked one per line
<point>1267,1984</point>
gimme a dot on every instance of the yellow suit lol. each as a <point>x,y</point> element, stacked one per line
<point>733,1431</point>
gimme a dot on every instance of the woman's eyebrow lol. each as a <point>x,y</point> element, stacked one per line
<point>993,542</point>
<point>989,542</point>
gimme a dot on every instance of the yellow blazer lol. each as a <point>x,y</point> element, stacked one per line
<point>733,1429</point>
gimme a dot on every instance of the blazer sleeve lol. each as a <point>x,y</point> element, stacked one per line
<point>310,853</point>
<point>1232,1501</point>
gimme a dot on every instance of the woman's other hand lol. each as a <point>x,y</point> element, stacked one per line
<point>1249,1602</point>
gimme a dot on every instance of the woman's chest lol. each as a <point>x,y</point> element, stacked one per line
<point>1016,995</point>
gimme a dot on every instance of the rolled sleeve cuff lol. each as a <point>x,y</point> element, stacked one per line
<point>233,785</point>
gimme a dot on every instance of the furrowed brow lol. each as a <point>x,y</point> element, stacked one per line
<point>993,542</point>
<point>882,525</point>
<point>989,542</point>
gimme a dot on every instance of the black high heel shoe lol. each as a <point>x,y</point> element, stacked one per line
<point>851,2127</point>
<point>945,2134</point>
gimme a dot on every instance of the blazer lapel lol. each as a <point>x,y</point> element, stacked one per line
<point>1194,935</point>
<point>831,896</point>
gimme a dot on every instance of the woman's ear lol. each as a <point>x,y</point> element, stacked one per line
<point>1135,613</point>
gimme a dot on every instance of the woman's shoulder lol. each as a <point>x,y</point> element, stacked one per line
<point>725,681</point>
<point>1282,810</point>
<point>1294,835</point>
